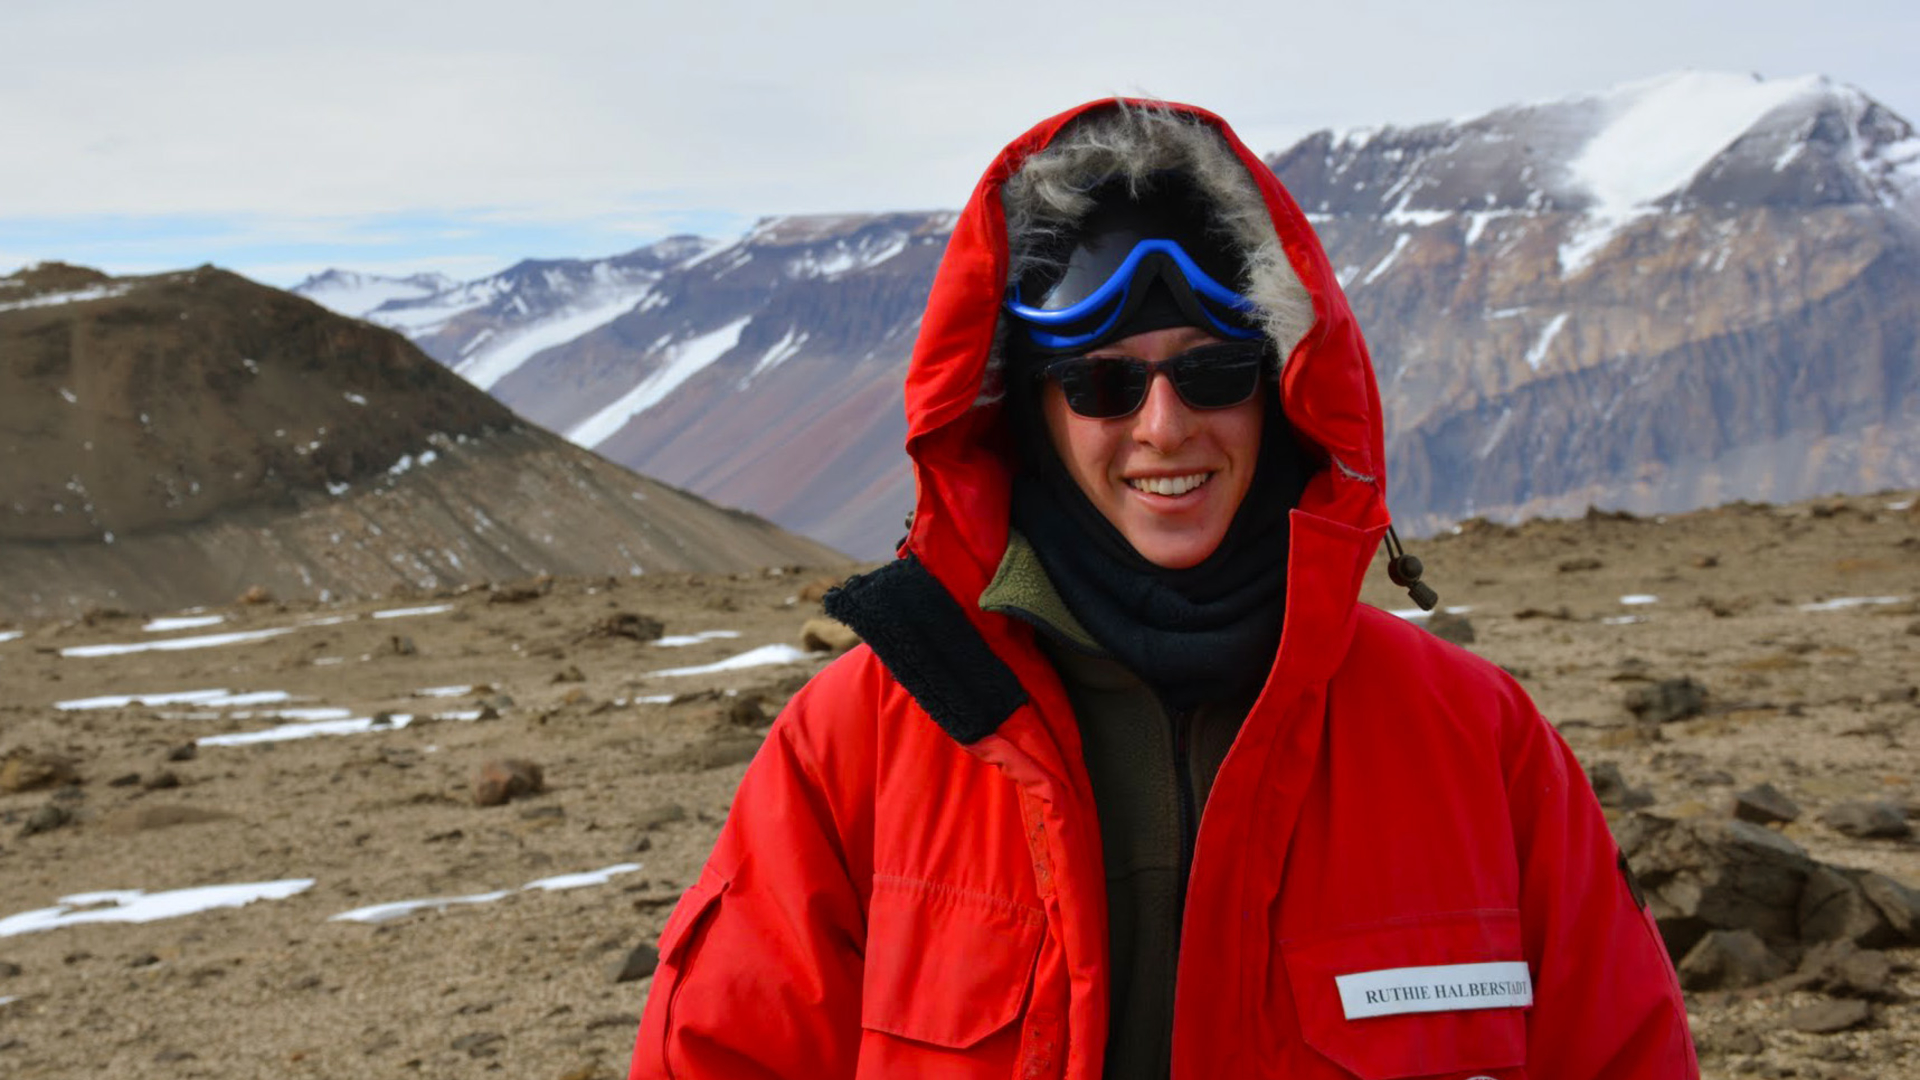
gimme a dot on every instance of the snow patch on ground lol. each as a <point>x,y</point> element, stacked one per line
<point>182,622</point>
<point>136,906</point>
<point>204,641</point>
<point>210,698</point>
<point>677,640</point>
<point>409,612</point>
<point>9,635</point>
<point>765,654</point>
<point>1841,603</point>
<point>353,725</point>
<point>1638,599</point>
<point>683,362</point>
<point>382,913</point>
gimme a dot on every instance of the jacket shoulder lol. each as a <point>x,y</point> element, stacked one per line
<point>1426,676</point>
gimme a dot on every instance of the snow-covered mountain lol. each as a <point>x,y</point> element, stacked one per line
<point>1680,291</point>
<point>1685,290</point>
<point>357,294</point>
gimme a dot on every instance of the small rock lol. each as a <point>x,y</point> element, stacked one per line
<point>629,625</point>
<point>1706,562</point>
<point>1913,628</point>
<point>1829,1017</point>
<point>1763,804</point>
<point>506,778</point>
<point>45,819</point>
<point>170,1057</point>
<point>28,771</point>
<point>256,594</point>
<point>1611,788</point>
<point>143,960</point>
<point>1559,614</point>
<point>402,645</point>
<point>618,1021</point>
<point>537,813</point>
<point>522,592</point>
<point>636,963</point>
<point>480,1043</point>
<point>652,817</point>
<point>1868,820</point>
<point>184,752</point>
<point>747,710</point>
<point>163,780</point>
<point>645,843</point>
<point>1667,700</point>
<point>8,969</point>
<point>488,712</point>
<point>1730,960</point>
<point>569,674</point>
<point>827,635</point>
<point>1574,566</point>
<point>131,779</point>
<point>1449,627</point>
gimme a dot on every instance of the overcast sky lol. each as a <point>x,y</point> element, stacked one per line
<point>280,139</point>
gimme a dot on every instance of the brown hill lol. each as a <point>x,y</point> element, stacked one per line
<point>172,440</point>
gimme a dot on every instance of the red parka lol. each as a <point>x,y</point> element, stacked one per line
<point>910,880</point>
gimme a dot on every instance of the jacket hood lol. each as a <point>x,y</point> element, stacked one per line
<point>1035,189</point>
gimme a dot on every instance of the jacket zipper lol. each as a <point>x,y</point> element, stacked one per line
<point>1189,827</point>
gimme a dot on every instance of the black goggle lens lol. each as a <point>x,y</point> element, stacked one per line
<point>1216,376</point>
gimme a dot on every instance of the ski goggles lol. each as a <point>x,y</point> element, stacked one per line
<point>1095,294</point>
<point>1215,376</point>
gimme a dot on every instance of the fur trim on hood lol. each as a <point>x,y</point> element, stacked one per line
<point>1137,143</point>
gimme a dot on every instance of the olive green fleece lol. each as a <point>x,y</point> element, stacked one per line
<point>1127,738</point>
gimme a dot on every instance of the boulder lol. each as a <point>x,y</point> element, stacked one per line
<point>1730,960</point>
<point>1704,874</point>
<point>504,779</point>
<point>1868,820</point>
<point>45,818</point>
<point>827,635</point>
<point>627,624</point>
<point>1764,805</point>
<point>1611,788</point>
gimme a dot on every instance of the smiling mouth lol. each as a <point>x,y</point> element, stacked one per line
<point>1169,485</point>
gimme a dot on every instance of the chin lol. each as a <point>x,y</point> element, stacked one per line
<point>1174,552</point>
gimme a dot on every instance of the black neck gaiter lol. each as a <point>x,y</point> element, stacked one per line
<point>1197,634</point>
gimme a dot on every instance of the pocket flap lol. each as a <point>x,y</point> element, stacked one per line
<point>688,914</point>
<point>946,966</point>
<point>1416,997</point>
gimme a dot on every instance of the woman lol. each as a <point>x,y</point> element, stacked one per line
<point>1125,782</point>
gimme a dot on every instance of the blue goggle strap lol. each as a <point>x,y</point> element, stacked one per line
<point>1115,289</point>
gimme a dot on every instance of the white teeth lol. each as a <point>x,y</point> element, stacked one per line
<point>1168,485</point>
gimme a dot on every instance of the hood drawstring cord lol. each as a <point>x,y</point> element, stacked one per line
<point>1404,570</point>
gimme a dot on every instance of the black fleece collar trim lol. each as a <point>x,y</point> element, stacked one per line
<point>921,633</point>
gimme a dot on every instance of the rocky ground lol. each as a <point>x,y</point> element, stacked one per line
<point>1687,661</point>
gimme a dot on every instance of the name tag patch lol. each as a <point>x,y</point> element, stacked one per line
<point>1504,984</point>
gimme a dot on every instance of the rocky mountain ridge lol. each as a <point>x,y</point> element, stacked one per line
<point>1679,292</point>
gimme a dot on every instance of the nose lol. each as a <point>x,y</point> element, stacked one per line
<point>1164,421</point>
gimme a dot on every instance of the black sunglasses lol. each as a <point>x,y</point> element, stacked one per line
<point>1217,376</point>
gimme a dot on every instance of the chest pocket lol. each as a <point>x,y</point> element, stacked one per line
<point>946,966</point>
<point>1434,996</point>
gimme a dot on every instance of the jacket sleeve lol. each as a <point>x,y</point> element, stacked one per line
<point>1606,1004</point>
<point>760,962</point>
